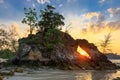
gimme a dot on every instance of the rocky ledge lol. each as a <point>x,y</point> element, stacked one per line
<point>35,51</point>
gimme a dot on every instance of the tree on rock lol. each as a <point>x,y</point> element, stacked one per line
<point>49,23</point>
<point>30,18</point>
<point>50,19</point>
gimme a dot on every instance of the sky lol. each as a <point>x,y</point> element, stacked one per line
<point>85,19</point>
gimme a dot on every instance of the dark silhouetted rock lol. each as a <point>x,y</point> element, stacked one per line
<point>64,55</point>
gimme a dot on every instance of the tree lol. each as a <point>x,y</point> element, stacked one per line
<point>30,18</point>
<point>67,29</point>
<point>13,36</point>
<point>105,44</point>
<point>8,39</point>
<point>49,23</point>
<point>3,39</point>
<point>50,19</point>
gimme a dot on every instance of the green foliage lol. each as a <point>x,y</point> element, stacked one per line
<point>53,35</point>
<point>50,19</point>
<point>49,47</point>
<point>49,25</point>
<point>6,53</point>
<point>31,39</point>
<point>52,38</point>
<point>30,18</point>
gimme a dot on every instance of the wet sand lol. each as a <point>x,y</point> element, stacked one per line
<point>54,74</point>
<point>65,75</point>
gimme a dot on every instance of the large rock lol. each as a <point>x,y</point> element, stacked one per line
<point>29,52</point>
<point>63,55</point>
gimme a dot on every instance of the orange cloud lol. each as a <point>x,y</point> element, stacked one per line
<point>99,16</point>
<point>16,26</point>
<point>94,30</point>
<point>92,14</point>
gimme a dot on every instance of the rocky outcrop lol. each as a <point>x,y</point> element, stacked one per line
<point>29,52</point>
<point>63,55</point>
<point>92,50</point>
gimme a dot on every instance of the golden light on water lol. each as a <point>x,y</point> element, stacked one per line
<point>82,52</point>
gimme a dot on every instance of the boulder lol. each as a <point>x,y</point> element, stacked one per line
<point>10,73</point>
<point>19,70</point>
<point>118,78</point>
<point>1,77</point>
<point>62,54</point>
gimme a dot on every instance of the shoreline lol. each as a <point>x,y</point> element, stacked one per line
<point>51,74</point>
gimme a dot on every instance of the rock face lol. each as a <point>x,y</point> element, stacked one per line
<point>92,50</point>
<point>28,52</point>
<point>64,55</point>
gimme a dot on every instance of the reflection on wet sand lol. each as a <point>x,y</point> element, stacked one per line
<point>98,75</point>
<point>84,76</point>
<point>66,75</point>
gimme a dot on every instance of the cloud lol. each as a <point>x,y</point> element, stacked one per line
<point>91,14</point>
<point>71,0</point>
<point>1,1</point>
<point>12,28</point>
<point>60,5</point>
<point>94,31</point>
<point>96,28</point>
<point>101,1</point>
<point>28,0</point>
<point>75,21</point>
<point>33,5</point>
<point>16,27</point>
<point>115,24</point>
<point>100,17</point>
<point>114,12</point>
<point>19,31</point>
<point>92,23</point>
<point>43,1</point>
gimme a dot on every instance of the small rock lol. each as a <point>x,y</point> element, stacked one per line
<point>11,73</point>
<point>19,69</point>
<point>118,78</point>
<point>1,77</point>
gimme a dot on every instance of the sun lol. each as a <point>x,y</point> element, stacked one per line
<point>82,52</point>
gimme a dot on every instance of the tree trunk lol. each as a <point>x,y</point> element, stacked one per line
<point>31,29</point>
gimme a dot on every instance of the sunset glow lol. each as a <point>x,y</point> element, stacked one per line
<point>82,52</point>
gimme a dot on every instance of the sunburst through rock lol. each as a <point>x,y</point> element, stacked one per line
<point>82,52</point>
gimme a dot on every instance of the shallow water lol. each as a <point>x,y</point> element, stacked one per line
<point>51,74</point>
